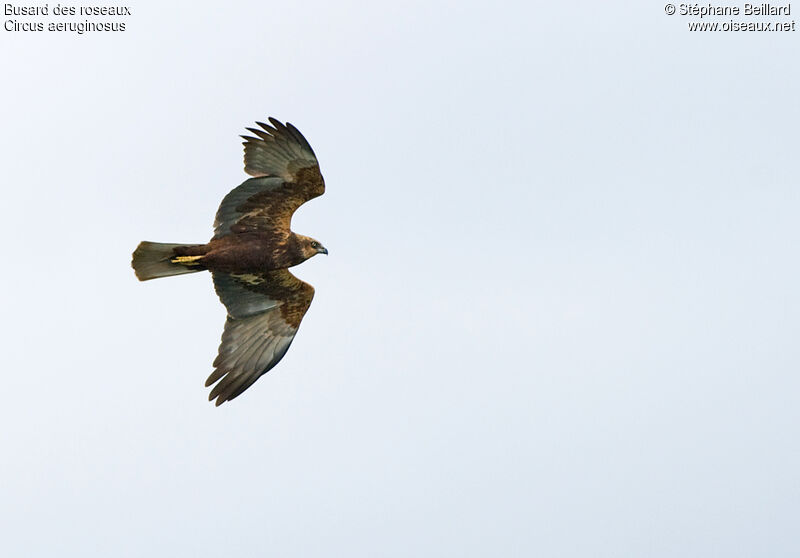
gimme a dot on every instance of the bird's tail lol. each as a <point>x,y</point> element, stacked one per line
<point>152,260</point>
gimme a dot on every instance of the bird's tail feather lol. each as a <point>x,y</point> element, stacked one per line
<point>152,260</point>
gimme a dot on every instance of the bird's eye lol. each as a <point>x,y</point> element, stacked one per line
<point>315,244</point>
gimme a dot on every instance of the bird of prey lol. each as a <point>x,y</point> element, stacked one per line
<point>249,255</point>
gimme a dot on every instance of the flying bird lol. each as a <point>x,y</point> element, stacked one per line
<point>249,254</point>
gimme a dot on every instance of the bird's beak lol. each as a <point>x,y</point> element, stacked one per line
<point>323,250</point>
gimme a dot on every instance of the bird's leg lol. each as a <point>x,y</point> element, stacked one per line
<point>186,260</point>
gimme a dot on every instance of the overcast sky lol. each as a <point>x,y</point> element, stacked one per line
<point>559,317</point>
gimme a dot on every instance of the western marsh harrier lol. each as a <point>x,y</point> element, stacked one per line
<point>249,255</point>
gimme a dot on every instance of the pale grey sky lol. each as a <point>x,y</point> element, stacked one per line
<point>559,316</point>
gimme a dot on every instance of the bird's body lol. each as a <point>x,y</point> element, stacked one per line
<point>248,257</point>
<point>246,252</point>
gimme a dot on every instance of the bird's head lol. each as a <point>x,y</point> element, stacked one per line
<point>310,247</point>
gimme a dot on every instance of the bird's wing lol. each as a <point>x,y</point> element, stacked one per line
<point>264,312</point>
<point>286,175</point>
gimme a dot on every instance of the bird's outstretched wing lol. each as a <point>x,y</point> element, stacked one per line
<point>286,175</point>
<point>264,312</point>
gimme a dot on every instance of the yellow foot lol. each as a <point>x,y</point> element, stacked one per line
<point>186,260</point>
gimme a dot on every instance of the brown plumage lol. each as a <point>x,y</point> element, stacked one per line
<point>249,254</point>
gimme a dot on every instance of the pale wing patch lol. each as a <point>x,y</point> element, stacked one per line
<point>240,300</point>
